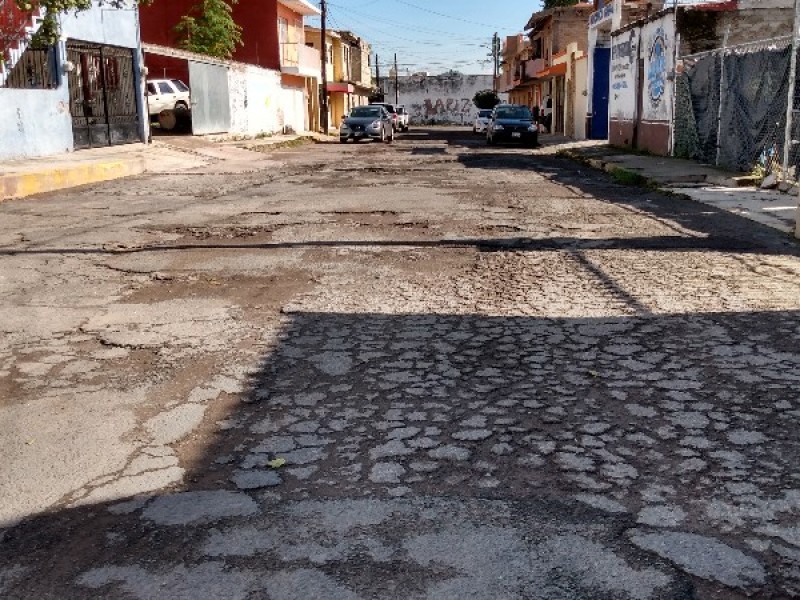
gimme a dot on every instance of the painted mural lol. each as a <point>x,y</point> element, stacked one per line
<point>658,47</point>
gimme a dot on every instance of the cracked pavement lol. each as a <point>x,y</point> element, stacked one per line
<point>428,370</point>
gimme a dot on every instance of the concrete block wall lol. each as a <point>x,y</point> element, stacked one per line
<point>754,24</point>
<point>439,99</point>
<point>571,25</point>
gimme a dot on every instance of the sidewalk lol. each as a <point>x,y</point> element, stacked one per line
<point>20,178</point>
<point>702,183</point>
<point>166,154</point>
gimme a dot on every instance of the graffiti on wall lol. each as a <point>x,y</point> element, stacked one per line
<point>624,53</point>
<point>439,110</point>
<point>439,99</point>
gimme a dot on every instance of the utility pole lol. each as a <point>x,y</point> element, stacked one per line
<point>323,101</point>
<point>378,76</point>
<point>496,57</point>
<point>397,80</point>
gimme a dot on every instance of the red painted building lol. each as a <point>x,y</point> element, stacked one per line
<point>257,18</point>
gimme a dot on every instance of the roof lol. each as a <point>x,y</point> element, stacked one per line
<point>555,71</point>
<point>539,19</point>
<point>301,7</point>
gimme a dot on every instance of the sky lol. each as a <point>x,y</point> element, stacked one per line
<point>431,35</point>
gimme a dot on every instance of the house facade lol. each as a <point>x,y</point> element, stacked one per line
<point>273,73</point>
<point>608,16</point>
<point>544,68</point>
<point>87,91</point>
<point>348,70</point>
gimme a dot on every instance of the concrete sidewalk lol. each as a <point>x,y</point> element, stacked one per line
<point>166,154</point>
<point>20,178</point>
<point>703,183</point>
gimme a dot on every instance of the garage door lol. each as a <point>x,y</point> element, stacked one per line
<point>211,108</point>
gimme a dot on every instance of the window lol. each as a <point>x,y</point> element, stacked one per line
<point>165,87</point>
<point>182,87</point>
<point>283,31</point>
<point>151,89</point>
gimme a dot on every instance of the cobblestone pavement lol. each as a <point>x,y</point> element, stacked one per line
<point>427,370</point>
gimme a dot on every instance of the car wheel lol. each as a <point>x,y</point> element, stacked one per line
<point>390,138</point>
<point>383,134</point>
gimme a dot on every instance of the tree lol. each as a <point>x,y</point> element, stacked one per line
<point>209,29</point>
<point>555,3</point>
<point>49,31</point>
<point>486,99</point>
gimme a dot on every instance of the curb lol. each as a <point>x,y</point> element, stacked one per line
<point>21,185</point>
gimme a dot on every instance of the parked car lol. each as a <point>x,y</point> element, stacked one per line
<point>512,123</point>
<point>390,108</point>
<point>364,122</point>
<point>167,94</point>
<point>403,117</point>
<point>481,121</point>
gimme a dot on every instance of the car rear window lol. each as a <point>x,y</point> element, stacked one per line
<point>514,112</point>
<point>182,87</point>
<point>365,112</point>
<point>484,114</point>
<point>401,110</point>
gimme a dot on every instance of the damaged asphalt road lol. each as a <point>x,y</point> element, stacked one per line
<point>426,370</point>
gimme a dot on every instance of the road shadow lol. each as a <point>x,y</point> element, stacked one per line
<point>420,455</point>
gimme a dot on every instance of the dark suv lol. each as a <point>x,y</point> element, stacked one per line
<point>512,123</point>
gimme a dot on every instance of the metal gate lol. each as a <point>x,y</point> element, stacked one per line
<point>211,109</point>
<point>102,93</point>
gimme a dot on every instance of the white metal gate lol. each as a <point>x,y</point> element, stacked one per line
<point>211,108</point>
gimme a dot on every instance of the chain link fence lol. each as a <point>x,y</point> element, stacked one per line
<point>731,108</point>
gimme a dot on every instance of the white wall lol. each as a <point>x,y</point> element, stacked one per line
<point>103,25</point>
<point>624,69</point>
<point>445,99</point>
<point>292,109</point>
<point>255,96</point>
<point>34,122</point>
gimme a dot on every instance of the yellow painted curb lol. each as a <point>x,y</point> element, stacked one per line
<point>20,185</point>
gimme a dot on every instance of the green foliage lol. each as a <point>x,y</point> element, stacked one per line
<point>555,3</point>
<point>209,29</point>
<point>486,99</point>
<point>50,31</point>
<point>626,177</point>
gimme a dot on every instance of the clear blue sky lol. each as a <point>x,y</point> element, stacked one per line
<point>431,36</point>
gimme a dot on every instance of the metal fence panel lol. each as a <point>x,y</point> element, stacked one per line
<point>211,111</point>
<point>731,107</point>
